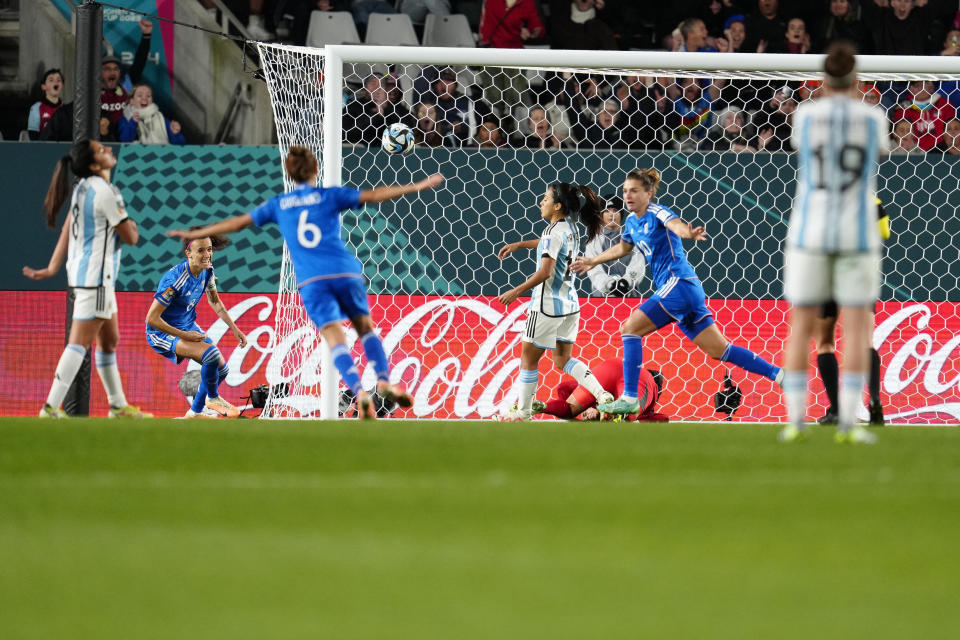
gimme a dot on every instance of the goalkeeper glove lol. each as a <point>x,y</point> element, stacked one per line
<point>617,287</point>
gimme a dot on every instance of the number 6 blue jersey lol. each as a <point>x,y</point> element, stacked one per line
<point>309,219</point>
<point>838,141</point>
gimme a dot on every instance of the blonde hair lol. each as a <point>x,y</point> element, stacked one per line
<point>649,178</point>
<point>301,164</point>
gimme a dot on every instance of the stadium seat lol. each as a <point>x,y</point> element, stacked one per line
<point>331,27</point>
<point>391,29</point>
<point>447,31</point>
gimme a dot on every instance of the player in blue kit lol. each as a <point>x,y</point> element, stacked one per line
<point>329,277</point>
<point>172,328</point>
<point>657,232</point>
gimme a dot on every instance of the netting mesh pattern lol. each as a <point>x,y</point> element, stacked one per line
<point>502,135</point>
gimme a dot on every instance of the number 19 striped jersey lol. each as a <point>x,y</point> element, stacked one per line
<point>838,140</point>
<point>93,254</point>
<point>556,295</point>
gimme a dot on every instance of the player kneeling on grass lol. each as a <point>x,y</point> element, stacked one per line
<point>571,400</point>
<point>172,328</point>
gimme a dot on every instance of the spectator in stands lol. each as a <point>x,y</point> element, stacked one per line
<point>797,38</point>
<point>603,131</point>
<point>734,34</point>
<point>508,24</point>
<point>113,97</point>
<point>842,22</point>
<point>809,90</point>
<point>871,94</point>
<point>648,117</point>
<point>928,111</point>
<point>418,9</point>
<point>373,108</point>
<point>899,27</point>
<point>774,123</point>
<point>540,131</point>
<point>574,25</point>
<point>620,277</point>
<point>904,142</point>
<point>362,9</point>
<point>766,29</point>
<point>50,102</point>
<point>60,126</point>
<point>951,47</point>
<point>424,124</point>
<point>693,107</point>
<point>715,14</point>
<point>455,115</point>
<point>950,143</point>
<point>489,135</point>
<point>142,121</point>
<point>556,101</point>
<point>730,133</point>
<point>694,34</point>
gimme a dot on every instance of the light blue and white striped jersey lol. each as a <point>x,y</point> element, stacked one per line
<point>556,296</point>
<point>93,254</point>
<point>838,140</point>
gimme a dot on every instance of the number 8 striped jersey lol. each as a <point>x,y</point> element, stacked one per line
<point>93,254</point>
<point>556,295</point>
<point>839,141</point>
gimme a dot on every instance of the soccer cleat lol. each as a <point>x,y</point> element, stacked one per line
<point>854,435</point>
<point>619,407</point>
<point>876,413</point>
<point>792,433</point>
<point>513,415</point>
<point>395,393</point>
<point>539,406</point>
<point>222,407</point>
<point>203,413</point>
<point>605,398</point>
<point>778,379</point>
<point>365,408</point>
<point>128,411</point>
<point>830,417</point>
<point>51,412</point>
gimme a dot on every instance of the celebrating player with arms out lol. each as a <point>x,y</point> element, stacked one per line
<point>554,315</point>
<point>571,401</point>
<point>679,298</point>
<point>172,328</point>
<point>329,277</point>
<point>833,246</point>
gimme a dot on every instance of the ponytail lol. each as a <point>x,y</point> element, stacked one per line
<point>79,160</point>
<point>579,201</point>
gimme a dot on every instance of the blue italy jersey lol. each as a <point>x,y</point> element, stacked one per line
<point>309,219</point>
<point>180,291</point>
<point>662,248</point>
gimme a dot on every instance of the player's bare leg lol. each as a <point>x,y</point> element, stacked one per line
<point>637,325</point>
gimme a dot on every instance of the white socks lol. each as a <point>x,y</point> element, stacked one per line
<point>851,398</point>
<point>795,393</point>
<point>527,387</point>
<point>67,368</point>
<point>110,377</point>
<point>582,374</point>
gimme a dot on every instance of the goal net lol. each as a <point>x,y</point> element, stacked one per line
<point>504,125</point>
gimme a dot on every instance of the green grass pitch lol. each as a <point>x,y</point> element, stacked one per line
<point>404,529</point>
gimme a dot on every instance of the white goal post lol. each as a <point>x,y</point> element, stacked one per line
<point>431,261</point>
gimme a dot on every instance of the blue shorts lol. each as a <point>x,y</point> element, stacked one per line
<point>681,301</point>
<point>335,300</point>
<point>166,344</point>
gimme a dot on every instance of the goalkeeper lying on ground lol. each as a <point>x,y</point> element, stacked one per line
<point>571,400</point>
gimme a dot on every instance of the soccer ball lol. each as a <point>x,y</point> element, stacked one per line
<point>397,138</point>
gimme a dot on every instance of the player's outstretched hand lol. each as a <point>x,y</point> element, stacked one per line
<point>179,234</point>
<point>582,264</point>
<point>506,250</point>
<point>194,336</point>
<point>432,182</point>
<point>508,298</point>
<point>697,233</point>
<point>241,337</point>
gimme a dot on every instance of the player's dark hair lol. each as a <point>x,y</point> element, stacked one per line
<point>217,241</point>
<point>78,160</point>
<point>840,65</point>
<point>580,201</point>
<point>649,178</point>
<point>658,379</point>
<point>301,164</point>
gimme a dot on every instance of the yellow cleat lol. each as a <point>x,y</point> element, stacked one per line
<point>792,433</point>
<point>51,412</point>
<point>854,435</point>
<point>128,411</point>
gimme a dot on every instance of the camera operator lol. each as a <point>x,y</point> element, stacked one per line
<point>619,278</point>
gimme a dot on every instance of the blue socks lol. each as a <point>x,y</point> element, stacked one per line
<point>632,363</point>
<point>347,368</point>
<point>746,359</point>
<point>209,378</point>
<point>376,356</point>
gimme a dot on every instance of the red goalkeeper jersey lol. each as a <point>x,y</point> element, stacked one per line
<point>610,376</point>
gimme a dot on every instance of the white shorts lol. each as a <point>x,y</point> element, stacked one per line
<point>545,331</point>
<point>852,279</point>
<point>99,302</point>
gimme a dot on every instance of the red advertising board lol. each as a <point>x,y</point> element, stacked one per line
<point>459,356</point>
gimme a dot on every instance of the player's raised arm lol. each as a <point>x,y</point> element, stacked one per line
<point>56,258</point>
<point>229,225</point>
<point>379,194</point>
<point>507,249</point>
<point>583,263</point>
<point>686,230</point>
